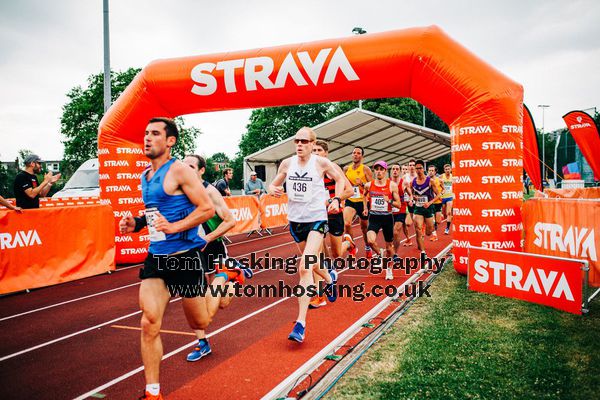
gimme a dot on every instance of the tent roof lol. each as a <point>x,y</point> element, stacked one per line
<point>382,137</point>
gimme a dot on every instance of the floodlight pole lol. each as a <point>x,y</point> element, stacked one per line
<point>543,107</point>
<point>107,94</point>
<point>357,30</point>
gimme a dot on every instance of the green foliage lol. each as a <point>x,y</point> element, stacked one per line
<point>186,144</point>
<point>84,110</point>
<point>404,109</point>
<point>268,126</point>
<point>82,114</point>
<point>7,178</point>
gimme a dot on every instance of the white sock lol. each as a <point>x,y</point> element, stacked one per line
<point>303,323</point>
<point>153,389</point>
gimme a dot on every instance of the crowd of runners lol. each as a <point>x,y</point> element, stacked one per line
<point>187,218</point>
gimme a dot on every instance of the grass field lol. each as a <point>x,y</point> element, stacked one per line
<point>460,344</point>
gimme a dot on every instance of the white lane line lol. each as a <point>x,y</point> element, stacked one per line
<point>258,238</point>
<point>184,347</point>
<point>60,339</point>
<point>67,302</point>
<point>178,350</point>
<point>287,384</point>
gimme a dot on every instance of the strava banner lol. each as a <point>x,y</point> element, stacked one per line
<point>551,281</point>
<point>273,211</point>
<point>531,153</point>
<point>564,228</point>
<point>79,242</point>
<point>245,210</point>
<point>585,132</point>
<point>482,107</point>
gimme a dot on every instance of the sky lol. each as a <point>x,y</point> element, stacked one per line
<point>551,47</point>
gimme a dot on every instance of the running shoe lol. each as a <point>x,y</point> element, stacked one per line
<point>352,249</point>
<point>447,231</point>
<point>201,350</point>
<point>148,396</point>
<point>297,333</point>
<point>331,288</point>
<point>368,253</point>
<point>248,273</point>
<point>389,275</point>
<point>396,259</point>
<point>317,302</point>
<point>234,274</point>
<point>434,236</point>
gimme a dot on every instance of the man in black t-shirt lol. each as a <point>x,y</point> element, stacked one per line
<point>222,184</point>
<point>26,187</point>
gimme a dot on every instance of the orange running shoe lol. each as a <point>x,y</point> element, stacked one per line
<point>352,249</point>
<point>317,301</point>
<point>233,274</point>
<point>434,236</point>
<point>148,396</point>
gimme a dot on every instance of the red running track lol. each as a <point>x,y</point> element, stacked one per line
<point>82,337</point>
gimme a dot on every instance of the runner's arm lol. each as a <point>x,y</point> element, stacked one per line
<point>368,174</point>
<point>396,202</point>
<point>193,189</point>
<point>348,191</point>
<point>222,211</point>
<point>275,187</point>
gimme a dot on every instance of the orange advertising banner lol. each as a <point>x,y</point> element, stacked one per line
<point>245,211</point>
<point>538,279</point>
<point>574,193</point>
<point>273,211</point>
<point>42,247</point>
<point>585,132</point>
<point>564,228</point>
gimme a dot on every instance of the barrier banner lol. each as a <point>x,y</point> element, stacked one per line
<point>42,247</point>
<point>245,211</point>
<point>537,279</point>
<point>273,211</point>
<point>586,135</point>
<point>575,193</point>
<point>564,228</point>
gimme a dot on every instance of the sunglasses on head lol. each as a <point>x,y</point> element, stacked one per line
<point>303,141</point>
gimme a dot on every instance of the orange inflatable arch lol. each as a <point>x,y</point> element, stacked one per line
<point>482,107</point>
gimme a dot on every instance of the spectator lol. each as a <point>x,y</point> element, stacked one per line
<point>8,205</point>
<point>255,185</point>
<point>222,184</point>
<point>26,187</point>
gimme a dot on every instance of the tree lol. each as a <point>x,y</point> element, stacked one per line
<point>7,178</point>
<point>84,110</point>
<point>405,109</point>
<point>268,126</point>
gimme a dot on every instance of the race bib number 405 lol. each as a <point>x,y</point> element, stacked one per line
<point>378,204</point>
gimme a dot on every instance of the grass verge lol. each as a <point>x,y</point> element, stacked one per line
<point>460,344</point>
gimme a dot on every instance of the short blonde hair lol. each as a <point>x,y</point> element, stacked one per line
<point>311,133</point>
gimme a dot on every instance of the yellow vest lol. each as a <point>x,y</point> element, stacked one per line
<point>447,186</point>
<point>352,174</point>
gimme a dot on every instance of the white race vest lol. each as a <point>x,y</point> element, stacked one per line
<point>307,195</point>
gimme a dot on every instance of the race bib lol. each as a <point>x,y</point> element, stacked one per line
<point>378,204</point>
<point>406,197</point>
<point>155,236</point>
<point>420,201</point>
<point>300,190</point>
<point>356,193</point>
<point>448,187</point>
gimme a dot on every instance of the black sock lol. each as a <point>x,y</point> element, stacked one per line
<point>447,225</point>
